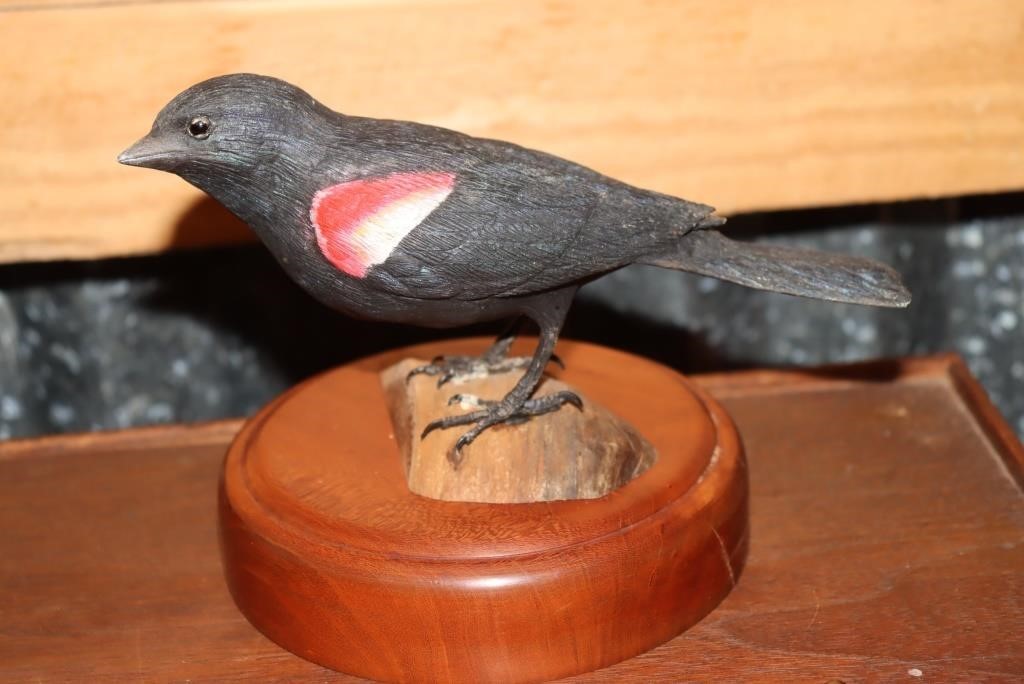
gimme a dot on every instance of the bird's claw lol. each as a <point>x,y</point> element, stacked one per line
<point>495,413</point>
<point>567,397</point>
<point>456,456</point>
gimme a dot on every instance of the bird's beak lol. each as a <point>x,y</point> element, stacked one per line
<point>146,152</point>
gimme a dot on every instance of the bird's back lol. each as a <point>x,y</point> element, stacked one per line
<point>517,221</point>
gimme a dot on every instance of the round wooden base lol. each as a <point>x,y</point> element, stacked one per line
<point>328,553</point>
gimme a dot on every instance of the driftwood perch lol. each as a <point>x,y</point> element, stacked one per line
<point>568,454</point>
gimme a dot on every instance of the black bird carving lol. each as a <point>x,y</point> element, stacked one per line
<point>399,221</point>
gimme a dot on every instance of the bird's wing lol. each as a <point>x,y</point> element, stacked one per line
<point>504,232</point>
<point>498,236</point>
<point>445,216</point>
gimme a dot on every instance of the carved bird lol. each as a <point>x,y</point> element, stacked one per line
<point>404,222</point>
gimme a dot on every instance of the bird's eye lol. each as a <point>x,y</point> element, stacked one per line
<point>199,127</point>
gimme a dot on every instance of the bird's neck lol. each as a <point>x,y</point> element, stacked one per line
<point>258,201</point>
<point>244,198</point>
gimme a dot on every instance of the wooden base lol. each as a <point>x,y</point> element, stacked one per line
<point>329,554</point>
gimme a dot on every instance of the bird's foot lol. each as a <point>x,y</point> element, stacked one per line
<point>490,413</point>
<point>448,368</point>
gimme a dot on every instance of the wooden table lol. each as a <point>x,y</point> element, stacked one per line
<point>887,544</point>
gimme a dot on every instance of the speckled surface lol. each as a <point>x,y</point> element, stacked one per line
<point>208,335</point>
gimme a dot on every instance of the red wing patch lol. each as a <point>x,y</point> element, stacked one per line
<point>359,223</point>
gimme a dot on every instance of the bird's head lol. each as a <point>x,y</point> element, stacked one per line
<point>228,124</point>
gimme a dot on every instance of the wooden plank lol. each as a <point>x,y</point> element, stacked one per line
<point>742,104</point>
<point>875,539</point>
<point>149,437</point>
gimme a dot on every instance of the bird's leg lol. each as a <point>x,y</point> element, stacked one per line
<point>494,361</point>
<point>516,406</point>
<point>498,351</point>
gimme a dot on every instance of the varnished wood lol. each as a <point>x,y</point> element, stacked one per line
<point>569,454</point>
<point>742,104</point>
<point>884,540</point>
<point>324,546</point>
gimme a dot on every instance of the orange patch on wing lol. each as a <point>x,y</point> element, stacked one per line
<point>359,223</point>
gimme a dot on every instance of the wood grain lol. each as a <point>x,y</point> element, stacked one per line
<point>741,104</point>
<point>887,536</point>
<point>572,453</point>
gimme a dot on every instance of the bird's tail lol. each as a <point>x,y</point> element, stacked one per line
<point>791,270</point>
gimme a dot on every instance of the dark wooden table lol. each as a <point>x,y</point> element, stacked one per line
<point>887,544</point>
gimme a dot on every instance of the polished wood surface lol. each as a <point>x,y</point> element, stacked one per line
<point>887,536</point>
<point>328,553</point>
<point>742,104</point>
<point>573,453</point>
